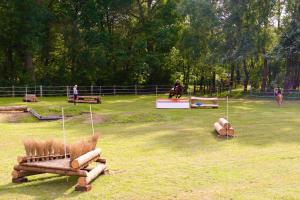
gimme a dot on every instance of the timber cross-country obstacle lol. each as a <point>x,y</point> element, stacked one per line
<point>184,103</point>
<point>85,99</point>
<point>55,157</point>
<point>16,109</point>
<point>30,98</point>
<point>224,128</point>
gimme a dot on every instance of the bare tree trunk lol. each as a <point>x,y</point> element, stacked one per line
<point>246,80</point>
<point>238,74</point>
<point>265,73</point>
<point>288,79</point>
<point>231,75</point>
<point>29,66</point>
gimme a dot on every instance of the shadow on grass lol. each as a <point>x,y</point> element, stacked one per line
<point>52,186</point>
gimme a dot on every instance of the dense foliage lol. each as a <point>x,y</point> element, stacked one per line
<point>228,42</point>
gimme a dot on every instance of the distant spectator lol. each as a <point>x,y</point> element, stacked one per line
<point>75,94</point>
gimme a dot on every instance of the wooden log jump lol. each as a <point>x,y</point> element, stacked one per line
<point>59,164</point>
<point>223,128</point>
<point>86,99</point>
<point>13,109</point>
<point>30,98</point>
<point>202,102</point>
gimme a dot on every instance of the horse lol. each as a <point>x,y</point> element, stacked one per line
<point>177,92</point>
<point>279,99</point>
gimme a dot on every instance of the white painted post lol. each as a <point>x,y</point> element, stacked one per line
<point>68,91</point>
<point>156,90</point>
<point>41,90</point>
<point>13,91</point>
<point>100,90</point>
<point>114,90</point>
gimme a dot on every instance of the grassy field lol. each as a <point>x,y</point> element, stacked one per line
<point>165,154</point>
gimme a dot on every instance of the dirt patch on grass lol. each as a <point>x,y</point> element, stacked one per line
<point>12,117</point>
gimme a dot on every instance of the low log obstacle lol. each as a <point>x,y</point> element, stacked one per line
<point>13,109</point>
<point>41,157</point>
<point>173,103</point>
<point>46,118</point>
<point>85,99</point>
<point>223,128</point>
<point>30,98</point>
<point>197,102</point>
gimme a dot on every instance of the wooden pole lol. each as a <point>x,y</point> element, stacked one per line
<point>56,170</point>
<point>85,158</point>
<point>22,173</point>
<point>83,181</point>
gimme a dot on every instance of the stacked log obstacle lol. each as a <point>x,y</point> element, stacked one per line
<point>13,109</point>
<point>52,156</point>
<point>201,102</point>
<point>173,103</point>
<point>30,98</point>
<point>85,99</point>
<point>224,128</point>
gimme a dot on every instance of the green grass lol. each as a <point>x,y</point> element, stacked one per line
<point>166,154</point>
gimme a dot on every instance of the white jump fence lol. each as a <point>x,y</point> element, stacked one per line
<point>92,90</point>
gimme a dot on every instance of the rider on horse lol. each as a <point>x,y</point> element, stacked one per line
<point>177,83</point>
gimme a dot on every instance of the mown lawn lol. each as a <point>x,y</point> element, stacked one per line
<point>165,154</point>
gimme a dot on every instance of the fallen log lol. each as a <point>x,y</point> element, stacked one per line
<point>18,174</point>
<point>13,109</point>
<point>85,158</point>
<point>222,131</point>
<point>83,181</point>
<point>223,122</point>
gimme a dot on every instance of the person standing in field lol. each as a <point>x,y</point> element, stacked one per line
<point>75,94</point>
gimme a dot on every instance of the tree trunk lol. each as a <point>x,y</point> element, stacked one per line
<point>231,75</point>
<point>238,74</point>
<point>29,66</point>
<point>213,82</point>
<point>246,80</point>
<point>201,84</point>
<point>265,73</point>
<point>288,79</point>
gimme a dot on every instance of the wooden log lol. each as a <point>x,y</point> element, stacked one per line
<point>51,170</point>
<point>19,180</point>
<point>101,160</point>
<point>18,174</point>
<point>223,122</point>
<point>222,131</point>
<point>85,158</point>
<point>13,109</point>
<point>83,188</point>
<point>94,173</point>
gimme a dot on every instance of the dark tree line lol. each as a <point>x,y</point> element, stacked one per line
<point>209,43</point>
